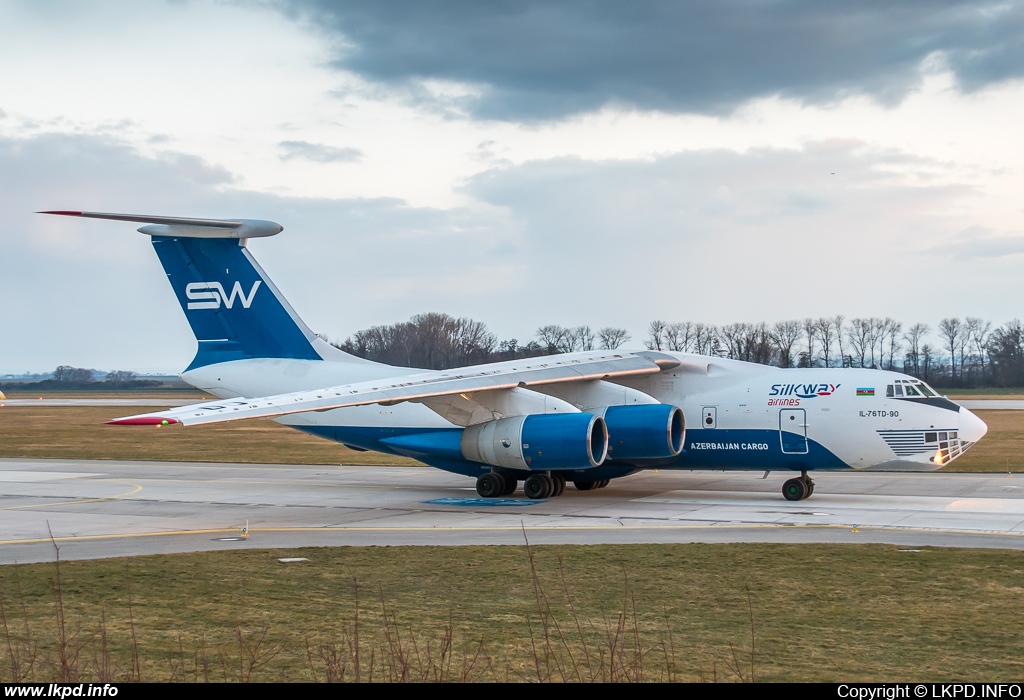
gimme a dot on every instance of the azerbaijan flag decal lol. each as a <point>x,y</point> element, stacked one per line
<point>869,391</point>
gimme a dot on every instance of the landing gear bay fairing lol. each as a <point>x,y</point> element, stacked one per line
<point>585,417</point>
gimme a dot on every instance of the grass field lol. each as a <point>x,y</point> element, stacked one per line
<point>819,613</point>
<point>78,432</point>
<point>984,393</point>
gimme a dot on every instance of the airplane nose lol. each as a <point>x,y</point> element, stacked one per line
<point>972,428</point>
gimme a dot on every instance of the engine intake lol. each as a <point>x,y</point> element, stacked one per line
<point>655,431</point>
<point>538,442</point>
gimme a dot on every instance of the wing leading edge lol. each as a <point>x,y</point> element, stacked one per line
<point>497,376</point>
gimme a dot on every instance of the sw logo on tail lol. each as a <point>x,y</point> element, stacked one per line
<point>214,293</point>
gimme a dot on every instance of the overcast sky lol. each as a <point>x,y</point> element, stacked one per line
<point>521,163</point>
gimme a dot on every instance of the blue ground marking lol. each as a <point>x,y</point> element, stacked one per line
<point>480,502</point>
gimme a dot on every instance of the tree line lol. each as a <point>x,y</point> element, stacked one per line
<point>440,341</point>
<point>66,378</point>
<point>968,352</point>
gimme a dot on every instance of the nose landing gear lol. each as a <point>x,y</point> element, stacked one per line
<point>799,488</point>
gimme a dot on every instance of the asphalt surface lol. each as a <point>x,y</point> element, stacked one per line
<point>107,508</point>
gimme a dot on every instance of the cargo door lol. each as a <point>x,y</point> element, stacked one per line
<point>793,431</point>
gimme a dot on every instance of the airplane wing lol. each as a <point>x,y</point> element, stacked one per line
<point>500,375</point>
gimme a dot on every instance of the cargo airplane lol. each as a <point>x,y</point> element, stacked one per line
<point>585,417</point>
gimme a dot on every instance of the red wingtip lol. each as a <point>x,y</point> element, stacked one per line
<point>142,420</point>
<point>61,213</point>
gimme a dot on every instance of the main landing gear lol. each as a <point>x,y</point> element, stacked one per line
<point>539,485</point>
<point>799,488</point>
<point>493,484</point>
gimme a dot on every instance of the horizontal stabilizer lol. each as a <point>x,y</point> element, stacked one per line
<point>182,227</point>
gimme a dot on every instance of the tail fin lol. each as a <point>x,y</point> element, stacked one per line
<point>234,309</point>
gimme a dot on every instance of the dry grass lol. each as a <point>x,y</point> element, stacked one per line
<point>78,432</point>
<point>668,612</point>
<point>1001,450</point>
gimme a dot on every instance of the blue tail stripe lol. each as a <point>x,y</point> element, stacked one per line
<point>234,312</point>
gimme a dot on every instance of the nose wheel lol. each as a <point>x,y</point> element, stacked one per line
<point>799,488</point>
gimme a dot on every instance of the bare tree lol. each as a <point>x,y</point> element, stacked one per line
<point>577,339</point>
<point>655,335</point>
<point>913,336</point>
<point>706,339</point>
<point>893,329</point>
<point>826,334</point>
<point>428,341</point>
<point>811,333</point>
<point>860,337</point>
<point>612,338</point>
<point>980,331</point>
<point>679,336</point>
<point>837,324</point>
<point>927,354</point>
<point>950,330</point>
<point>551,337</point>
<point>784,335</point>
<point>67,373</point>
<point>749,342</point>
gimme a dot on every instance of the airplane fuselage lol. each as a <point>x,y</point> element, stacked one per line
<point>739,415</point>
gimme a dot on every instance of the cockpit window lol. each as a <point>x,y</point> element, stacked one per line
<point>907,387</point>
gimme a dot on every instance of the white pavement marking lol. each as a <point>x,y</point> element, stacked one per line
<point>26,477</point>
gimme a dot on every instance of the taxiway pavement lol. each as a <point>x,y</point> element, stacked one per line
<point>103,508</point>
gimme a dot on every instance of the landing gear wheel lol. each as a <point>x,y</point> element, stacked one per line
<point>585,485</point>
<point>510,485</point>
<point>603,482</point>
<point>490,485</point>
<point>559,482</point>
<point>538,486</point>
<point>795,490</point>
<point>808,484</point>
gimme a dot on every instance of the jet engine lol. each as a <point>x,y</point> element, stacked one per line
<point>538,442</point>
<point>652,431</point>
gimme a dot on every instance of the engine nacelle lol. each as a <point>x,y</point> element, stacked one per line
<point>538,442</point>
<point>656,431</point>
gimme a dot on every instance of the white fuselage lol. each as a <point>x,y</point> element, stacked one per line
<point>739,415</point>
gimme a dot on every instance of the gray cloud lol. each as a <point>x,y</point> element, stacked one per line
<point>714,235</point>
<point>539,60</point>
<point>319,153</point>
<point>721,236</point>
<point>93,294</point>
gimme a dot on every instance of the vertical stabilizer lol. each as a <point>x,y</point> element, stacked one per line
<point>235,311</point>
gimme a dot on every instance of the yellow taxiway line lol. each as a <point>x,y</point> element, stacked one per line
<point>135,490</point>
